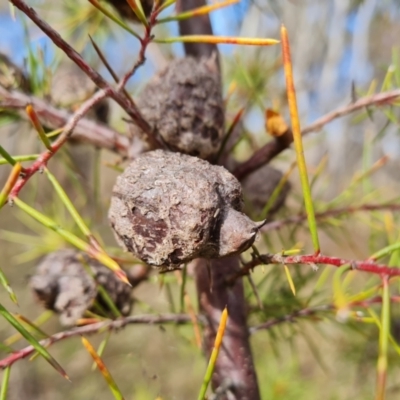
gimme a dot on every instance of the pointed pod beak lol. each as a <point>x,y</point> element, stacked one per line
<point>260,224</point>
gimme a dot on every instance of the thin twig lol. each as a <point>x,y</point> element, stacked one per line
<point>114,325</point>
<point>273,148</point>
<point>106,90</point>
<point>96,328</point>
<point>315,259</point>
<point>87,130</point>
<point>115,94</point>
<point>43,159</point>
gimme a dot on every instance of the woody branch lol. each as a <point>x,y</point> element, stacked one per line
<point>273,148</point>
<point>115,93</point>
<point>105,91</point>
<point>85,130</point>
<point>110,325</point>
<point>370,265</point>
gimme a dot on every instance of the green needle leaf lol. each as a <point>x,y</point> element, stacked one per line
<point>6,285</point>
<point>103,369</point>
<point>31,339</point>
<point>214,354</point>
<point>99,255</point>
<point>4,384</point>
<point>30,157</point>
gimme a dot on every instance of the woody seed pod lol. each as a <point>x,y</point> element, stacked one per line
<point>11,76</point>
<point>169,208</point>
<point>183,104</point>
<point>63,285</point>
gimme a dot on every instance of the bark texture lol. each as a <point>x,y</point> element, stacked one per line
<point>234,377</point>
<point>183,104</point>
<point>200,25</point>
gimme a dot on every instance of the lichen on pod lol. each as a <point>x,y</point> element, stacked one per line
<point>169,208</point>
<point>183,105</point>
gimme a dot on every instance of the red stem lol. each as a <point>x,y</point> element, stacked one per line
<point>315,259</point>
<point>43,159</point>
<point>115,94</point>
<point>107,90</point>
<point>86,130</point>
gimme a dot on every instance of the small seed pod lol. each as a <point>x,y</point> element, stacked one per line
<point>126,11</point>
<point>64,285</point>
<point>258,188</point>
<point>70,86</point>
<point>183,104</point>
<point>169,208</point>
<point>11,76</point>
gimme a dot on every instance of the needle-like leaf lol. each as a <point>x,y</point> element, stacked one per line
<point>103,369</point>
<point>214,354</point>
<point>32,340</point>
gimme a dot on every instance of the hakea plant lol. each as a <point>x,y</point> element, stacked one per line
<point>179,200</point>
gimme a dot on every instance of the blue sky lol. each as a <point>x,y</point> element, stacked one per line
<point>225,22</point>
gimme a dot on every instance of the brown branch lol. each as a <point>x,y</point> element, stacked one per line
<point>234,365</point>
<point>115,94</point>
<point>96,328</point>
<point>106,90</point>
<point>118,324</point>
<point>43,159</point>
<point>370,266</point>
<point>378,99</point>
<point>329,214</point>
<point>199,25</point>
<point>86,130</point>
<point>234,371</point>
<point>272,149</point>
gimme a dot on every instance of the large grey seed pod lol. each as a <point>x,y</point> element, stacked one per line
<point>125,10</point>
<point>169,208</point>
<point>63,285</point>
<point>184,105</point>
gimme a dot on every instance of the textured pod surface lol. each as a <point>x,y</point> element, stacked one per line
<point>169,208</point>
<point>63,285</point>
<point>184,105</point>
